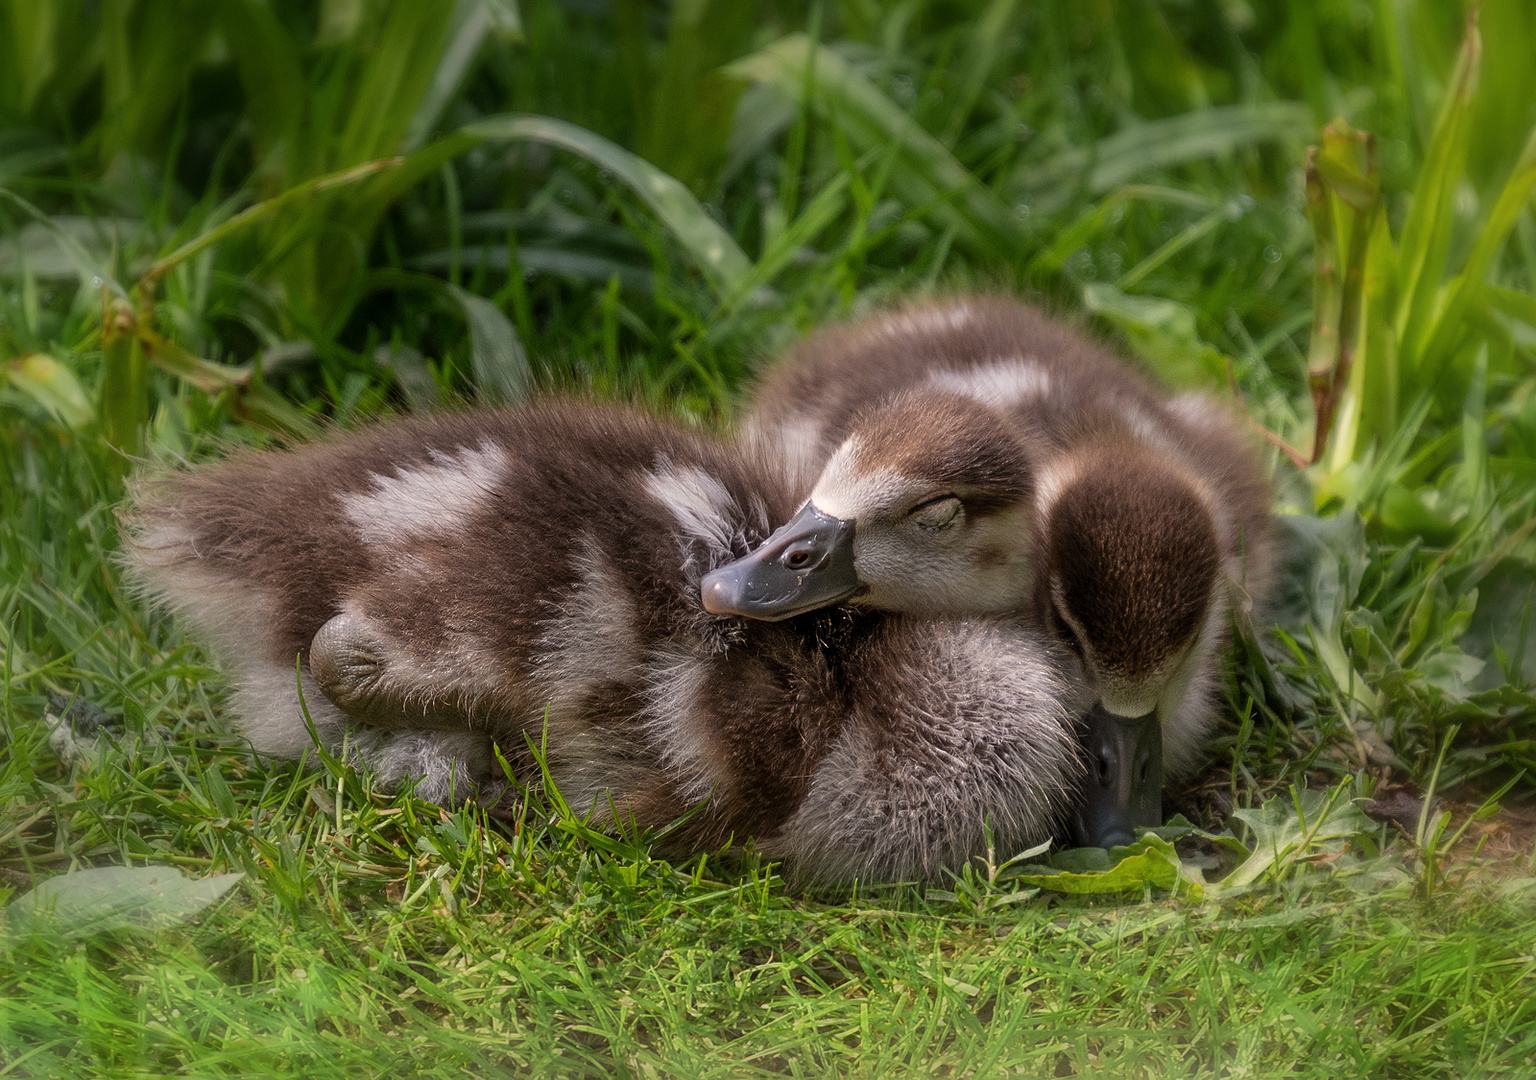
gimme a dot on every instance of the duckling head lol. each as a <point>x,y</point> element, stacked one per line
<point>925,508</point>
<point>1129,583</point>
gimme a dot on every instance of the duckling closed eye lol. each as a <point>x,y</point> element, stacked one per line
<point>939,512</point>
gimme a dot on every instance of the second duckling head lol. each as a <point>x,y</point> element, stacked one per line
<point>1128,580</point>
<point>926,509</point>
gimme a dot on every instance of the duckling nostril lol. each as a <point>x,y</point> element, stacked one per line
<point>796,559</point>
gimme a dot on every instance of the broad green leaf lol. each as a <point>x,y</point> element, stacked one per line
<point>53,386</point>
<point>673,203</point>
<point>1151,860</point>
<point>1503,620</point>
<point>500,365</point>
<point>1291,827</point>
<point>1452,671</point>
<point>114,898</point>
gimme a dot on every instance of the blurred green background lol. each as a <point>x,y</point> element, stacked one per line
<point>227,221</point>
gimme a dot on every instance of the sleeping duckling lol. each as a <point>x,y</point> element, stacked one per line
<point>532,575</point>
<point>1148,519</point>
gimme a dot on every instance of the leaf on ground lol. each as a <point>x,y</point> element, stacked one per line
<point>1151,860</point>
<point>112,898</point>
<point>1294,826</point>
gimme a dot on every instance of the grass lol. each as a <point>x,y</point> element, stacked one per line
<point>228,223</point>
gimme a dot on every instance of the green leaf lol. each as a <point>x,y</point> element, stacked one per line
<point>1151,860</point>
<point>1162,144</point>
<point>499,362</point>
<point>1427,232</point>
<point>1106,213</point>
<point>472,21</point>
<point>114,898</point>
<point>53,386</point>
<point>719,255</point>
<point>252,214</point>
<point>1515,196</point>
<point>1291,827</point>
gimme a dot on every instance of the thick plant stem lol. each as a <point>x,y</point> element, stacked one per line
<point>123,406</point>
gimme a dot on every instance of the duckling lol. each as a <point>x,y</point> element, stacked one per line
<point>531,575</point>
<point>1147,520</point>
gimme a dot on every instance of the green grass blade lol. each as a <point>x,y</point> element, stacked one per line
<point>396,80</point>
<point>472,21</point>
<point>251,215</point>
<point>820,213</point>
<point>1167,143</point>
<point>1515,196</point>
<point>719,255</point>
<point>1180,240</point>
<point>1426,236</point>
<point>925,174</point>
<point>1095,219</point>
<point>984,46</point>
<point>500,364</point>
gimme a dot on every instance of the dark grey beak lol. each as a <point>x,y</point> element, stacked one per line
<point>805,565</point>
<point>1124,788</point>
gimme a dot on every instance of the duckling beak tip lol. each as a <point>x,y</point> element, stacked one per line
<point>1124,786</point>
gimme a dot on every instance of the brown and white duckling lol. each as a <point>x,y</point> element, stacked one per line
<point>1147,519</point>
<point>533,573</point>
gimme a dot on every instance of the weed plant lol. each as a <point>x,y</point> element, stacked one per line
<point>238,221</point>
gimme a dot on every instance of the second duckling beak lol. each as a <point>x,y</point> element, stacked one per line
<point>1124,788</point>
<point>806,564</point>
